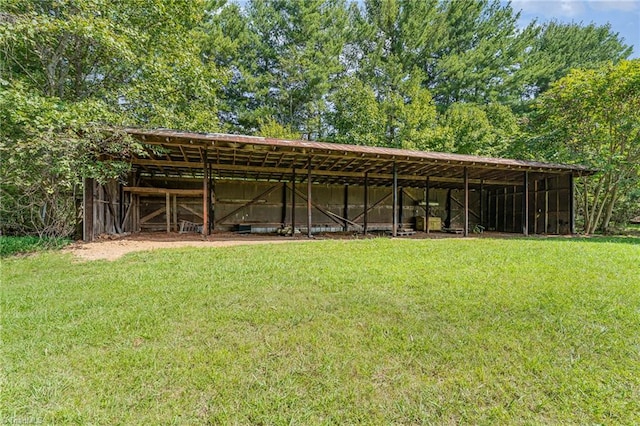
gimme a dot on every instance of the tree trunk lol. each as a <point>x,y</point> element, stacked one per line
<point>585,207</point>
<point>609,209</point>
<point>594,215</point>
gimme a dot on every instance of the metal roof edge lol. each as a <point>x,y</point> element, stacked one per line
<point>463,159</point>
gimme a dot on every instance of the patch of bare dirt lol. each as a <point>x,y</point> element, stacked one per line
<point>109,247</point>
<point>112,248</point>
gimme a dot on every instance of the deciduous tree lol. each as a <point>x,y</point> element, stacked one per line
<point>592,117</point>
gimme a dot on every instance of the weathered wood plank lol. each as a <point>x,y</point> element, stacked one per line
<point>248,203</point>
<point>308,199</point>
<point>190,210</point>
<point>168,210</point>
<point>315,172</point>
<point>175,213</point>
<point>152,215</point>
<point>88,196</point>
<point>162,191</point>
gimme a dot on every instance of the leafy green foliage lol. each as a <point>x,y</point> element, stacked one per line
<point>404,107</point>
<point>476,51</point>
<point>69,66</point>
<point>357,117</point>
<point>559,47</point>
<point>593,117</point>
<point>478,130</point>
<point>286,61</point>
<point>270,128</point>
<point>431,74</point>
<point>10,246</point>
<point>46,146</point>
<point>328,332</point>
<point>70,51</point>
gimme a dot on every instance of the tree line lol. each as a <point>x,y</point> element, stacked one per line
<point>444,75</point>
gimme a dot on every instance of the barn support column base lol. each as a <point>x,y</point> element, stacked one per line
<point>309,235</point>
<point>572,206</point>
<point>293,204</point>
<point>525,205</point>
<point>394,210</point>
<point>427,210</point>
<point>466,202</point>
<point>366,203</point>
<point>205,198</point>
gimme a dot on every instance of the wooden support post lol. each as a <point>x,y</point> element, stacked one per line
<point>211,200</point>
<point>293,203</point>
<point>394,200</point>
<point>525,205</point>
<point>466,202</point>
<point>87,201</point>
<point>366,202</point>
<point>167,211</point>
<point>546,205</point>
<point>126,220</point>
<point>513,209</point>
<point>205,197</point>
<point>400,207</point>
<point>482,202</point>
<point>345,210</point>
<point>135,212</point>
<point>121,209</point>
<point>447,206</point>
<point>336,218</point>
<point>214,200</point>
<point>174,209</point>
<point>557,205</point>
<point>309,198</point>
<point>572,206</point>
<point>504,213</point>
<point>129,216</point>
<point>535,206</point>
<point>490,206</point>
<point>426,207</point>
<point>496,211</point>
<point>284,204</point>
<point>585,201</point>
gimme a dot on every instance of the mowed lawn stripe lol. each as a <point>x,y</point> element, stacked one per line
<point>377,331</point>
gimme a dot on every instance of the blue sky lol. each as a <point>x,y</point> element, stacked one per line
<point>623,15</point>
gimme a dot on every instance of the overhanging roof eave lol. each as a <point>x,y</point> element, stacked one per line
<point>298,152</point>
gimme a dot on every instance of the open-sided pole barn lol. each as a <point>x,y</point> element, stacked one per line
<point>255,184</point>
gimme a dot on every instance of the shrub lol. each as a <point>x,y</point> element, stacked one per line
<point>15,245</point>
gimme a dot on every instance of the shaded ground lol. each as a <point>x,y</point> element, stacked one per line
<point>109,247</point>
<point>112,248</point>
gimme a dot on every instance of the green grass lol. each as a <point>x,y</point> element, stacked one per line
<point>10,246</point>
<point>522,331</point>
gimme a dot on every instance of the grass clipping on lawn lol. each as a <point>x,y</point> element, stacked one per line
<point>381,331</point>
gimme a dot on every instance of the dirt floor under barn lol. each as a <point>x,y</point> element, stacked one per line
<point>110,247</point>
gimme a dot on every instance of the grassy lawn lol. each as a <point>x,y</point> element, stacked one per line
<point>519,331</point>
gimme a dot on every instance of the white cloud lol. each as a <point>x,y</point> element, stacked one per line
<point>573,8</point>
<point>615,5</point>
<point>551,8</point>
<point>622,15</point>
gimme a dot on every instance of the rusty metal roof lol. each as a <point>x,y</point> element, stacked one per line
<point>176,154</point>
